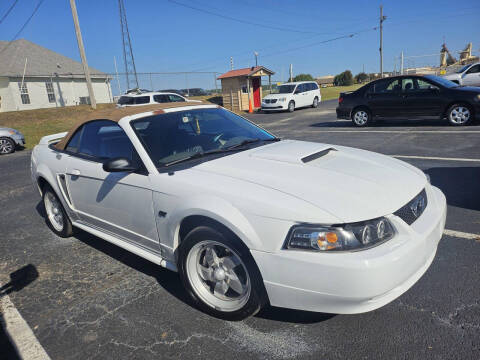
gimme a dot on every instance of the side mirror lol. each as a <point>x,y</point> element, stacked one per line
<point>119,165</point>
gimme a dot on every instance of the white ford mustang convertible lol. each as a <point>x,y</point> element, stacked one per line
<point>247,219</point>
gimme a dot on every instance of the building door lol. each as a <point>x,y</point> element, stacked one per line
<point>256,92</point>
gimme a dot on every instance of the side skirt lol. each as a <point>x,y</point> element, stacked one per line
<point>146,254</point>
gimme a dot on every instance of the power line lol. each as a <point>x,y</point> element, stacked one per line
<point>23,26</point>
<point>243,21</point>
<point>8,11</point>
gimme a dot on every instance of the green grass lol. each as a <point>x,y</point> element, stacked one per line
<point>333,92</point>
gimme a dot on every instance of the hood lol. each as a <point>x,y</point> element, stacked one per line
<point>472,89</point>
<point>351,184</point>
<point>453,76</point>
<point>275,96</point>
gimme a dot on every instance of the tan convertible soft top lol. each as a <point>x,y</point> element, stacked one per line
<point>115,114</point>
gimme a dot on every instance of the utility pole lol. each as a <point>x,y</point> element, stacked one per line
<point>291,72</point>
<point>116,72</point>
<point>382,19</point>
<point>231,62</point>
<point>401,63</point>
<point>86,70</point>
<point>256,58</point>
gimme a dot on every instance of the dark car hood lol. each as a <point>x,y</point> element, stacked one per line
<point>473,89</point>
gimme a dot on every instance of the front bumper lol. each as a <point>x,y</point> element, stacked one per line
<point>356,282</point>
<point>343,113</point>
<point>19,139</point>
<point>276,106</point>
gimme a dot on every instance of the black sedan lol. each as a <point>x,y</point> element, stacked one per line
<point>410,96</point>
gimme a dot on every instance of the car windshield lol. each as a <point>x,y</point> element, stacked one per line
<point>182,135</point>
<point>464,68</point>
<point>442,81</point>
<point>284,89</point>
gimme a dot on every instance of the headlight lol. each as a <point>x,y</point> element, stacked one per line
<point>355,236</point>
<point>282,99</point>
<point>477,98</point>
<point>11,132</point>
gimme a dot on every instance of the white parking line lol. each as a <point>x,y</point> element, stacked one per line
<point>433,158</point>
<point>20,334</point>
<point>462,235</point>
<point>465,132</point>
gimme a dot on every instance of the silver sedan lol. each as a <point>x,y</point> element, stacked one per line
<point>10,139</point>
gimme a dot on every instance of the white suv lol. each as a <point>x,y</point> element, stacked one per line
<point>469,75</point>
<point>146,98</point>
<point>290,96</point>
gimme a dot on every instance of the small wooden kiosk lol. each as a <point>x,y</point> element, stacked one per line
<point>241,86</point>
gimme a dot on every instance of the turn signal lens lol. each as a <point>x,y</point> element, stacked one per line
<point>340,99</point>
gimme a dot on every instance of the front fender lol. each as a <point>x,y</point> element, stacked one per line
<point>209,206</point>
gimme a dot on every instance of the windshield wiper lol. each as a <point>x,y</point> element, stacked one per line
<point>251,141</point>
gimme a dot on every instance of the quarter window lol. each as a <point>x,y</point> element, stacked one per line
<point>50,91</point>
<point>24,93</point>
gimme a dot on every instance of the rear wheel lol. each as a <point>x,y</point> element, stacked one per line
<point>291,106</point>
<point>7,146</point>
<point>57,219</point>
<point>361,117</point>
<point>459,114</point>
<point>315,102</point>
<point>220,274</point>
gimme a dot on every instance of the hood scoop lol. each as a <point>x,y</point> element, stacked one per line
<point>317,155</point>
<point>291,151</point>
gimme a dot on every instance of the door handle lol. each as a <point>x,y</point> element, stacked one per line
<point>76,172</point>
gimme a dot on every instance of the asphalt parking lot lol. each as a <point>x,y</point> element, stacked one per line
<point>84,298</point>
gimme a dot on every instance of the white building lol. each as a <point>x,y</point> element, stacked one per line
<point>51,79</point>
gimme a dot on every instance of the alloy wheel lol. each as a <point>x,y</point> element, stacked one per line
<point>360,117</point>
<point>459,115</point>
<point>54,212</point>
<point>6,146</point>
<point>218,276</point>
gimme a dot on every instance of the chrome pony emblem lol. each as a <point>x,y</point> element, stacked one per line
<point>418,205</point>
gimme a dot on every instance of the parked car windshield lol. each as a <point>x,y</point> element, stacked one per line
<point>464,68</point>
<point>175,136</point>
<point>442,81</point>
<point>284,89</point>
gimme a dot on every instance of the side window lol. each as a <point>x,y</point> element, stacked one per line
<point>300,89</point>
<point>104,139</point>
<point>142,100</point>
<point>423,85</point>
<point>314,86</point>
<point>161,98</point>
<point>474,69</point>
<point>407,84</point>
<point>387,86</point>
<point>176,98</point>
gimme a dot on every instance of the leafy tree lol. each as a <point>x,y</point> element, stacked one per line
<point>303,77</point>
<point>343,79</point>
<point>361,77</point>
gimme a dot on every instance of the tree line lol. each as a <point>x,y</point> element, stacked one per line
<point>343,79</point>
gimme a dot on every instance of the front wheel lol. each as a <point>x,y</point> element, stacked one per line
<point>220,274</point>
<point>361,117</point>
<point>7,146</point>
<point>291,106</point>
<point>57,219</point>
<point>315,102</point>
<point>459,115</point>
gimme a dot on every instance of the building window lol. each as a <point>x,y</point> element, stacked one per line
<point>24,93</point>
<point>245,89</point>
<point>85,100</point>
<point>50,91</point>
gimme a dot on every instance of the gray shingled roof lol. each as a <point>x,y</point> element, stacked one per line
<point>41,61</point>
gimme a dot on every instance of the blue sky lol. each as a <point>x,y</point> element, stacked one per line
<point>168,37</point>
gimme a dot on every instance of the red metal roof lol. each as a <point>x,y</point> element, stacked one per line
<point>244,72</point>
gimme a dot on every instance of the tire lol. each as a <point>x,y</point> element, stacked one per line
<point>291,106</point>
<point>7,145</point>
<point>55,215</point>
<point>459,114</point>
<point>315,102</point>
<point>206,276</point>
<point>361,117</point>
